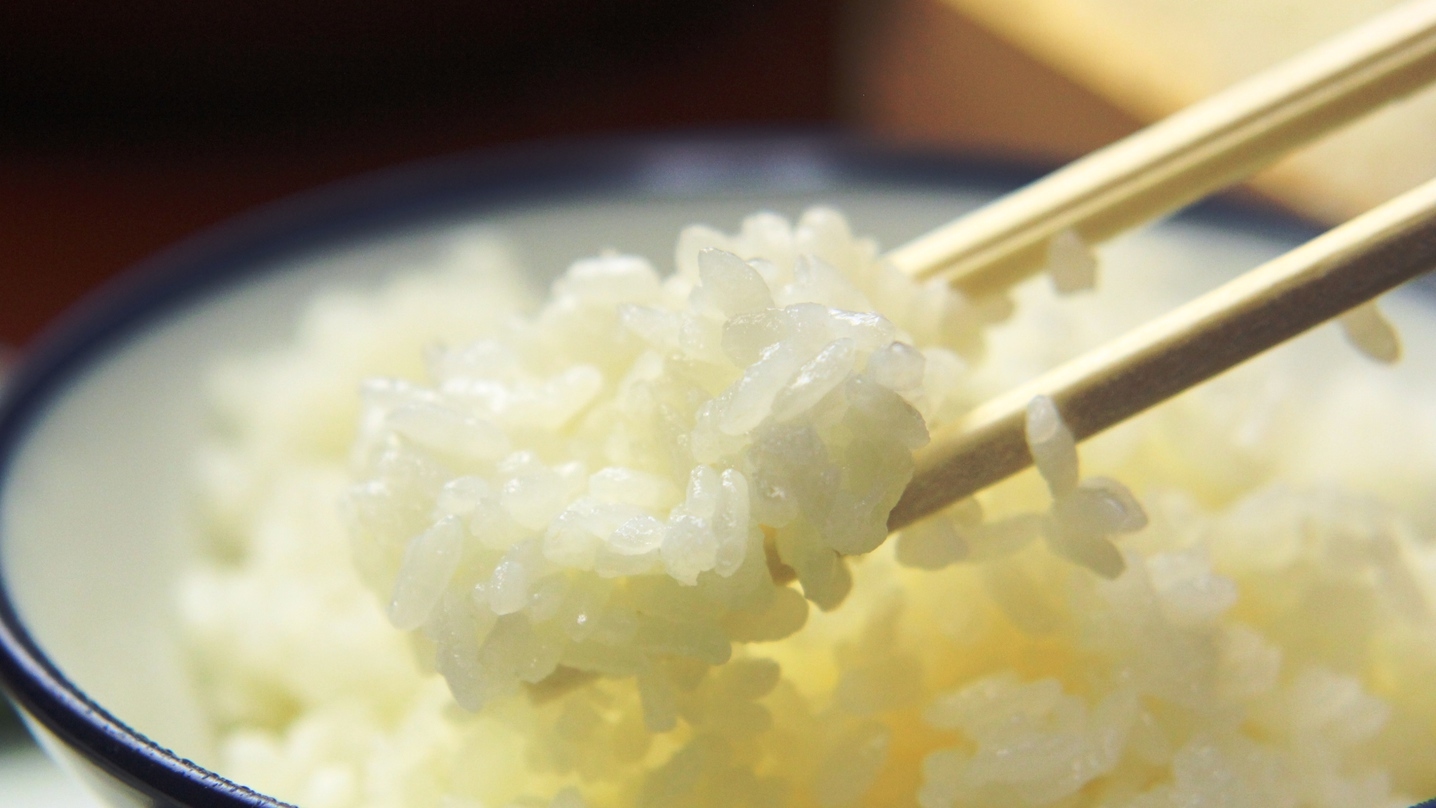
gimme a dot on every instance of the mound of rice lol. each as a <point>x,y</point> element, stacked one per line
<point>625,547</point>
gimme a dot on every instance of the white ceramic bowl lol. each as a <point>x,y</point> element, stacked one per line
<point>99,429</point>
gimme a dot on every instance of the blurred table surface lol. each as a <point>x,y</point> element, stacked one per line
<point>30,780</point>
<point>89,186</point>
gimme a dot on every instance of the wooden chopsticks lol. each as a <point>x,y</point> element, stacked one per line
<point>1151,173</point>
<point>1342,268</point>
<point>1185,157</point>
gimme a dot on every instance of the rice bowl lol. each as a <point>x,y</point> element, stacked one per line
<point>949,637</point>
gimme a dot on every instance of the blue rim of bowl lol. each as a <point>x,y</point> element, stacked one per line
<point>681,166</point>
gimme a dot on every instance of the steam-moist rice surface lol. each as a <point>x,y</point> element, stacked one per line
<point>550,583</point>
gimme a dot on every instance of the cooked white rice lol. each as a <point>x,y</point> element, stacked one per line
<point>1371,333</point>
<point>571,558</point>
<point>1071,263</point>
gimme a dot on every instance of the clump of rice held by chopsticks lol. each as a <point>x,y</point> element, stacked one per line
<point>635,472</point>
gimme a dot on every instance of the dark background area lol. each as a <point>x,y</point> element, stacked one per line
<point>126,126</point>
<point>80,74</point>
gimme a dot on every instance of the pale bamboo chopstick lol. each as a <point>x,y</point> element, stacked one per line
<point>1336,271</point>
<point>1186,156</point>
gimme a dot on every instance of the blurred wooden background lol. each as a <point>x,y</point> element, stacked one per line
<point>124,127</point>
